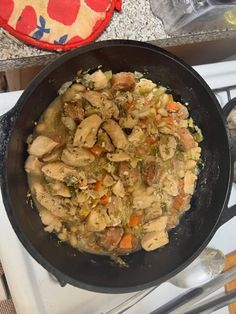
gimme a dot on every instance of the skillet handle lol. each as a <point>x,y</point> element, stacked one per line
<point>6,123</point>
<point>230,212</point>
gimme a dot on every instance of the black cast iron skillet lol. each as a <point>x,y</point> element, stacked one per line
<point>197,226</point>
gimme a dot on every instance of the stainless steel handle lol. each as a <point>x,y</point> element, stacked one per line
<point>185,301</point>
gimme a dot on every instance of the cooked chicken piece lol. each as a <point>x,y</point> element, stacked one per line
<point>166,130</point>
<point>107,108</point>
<point>145,86</point>
<point>73,240</point>
<point>99,80</point>
<point>58,171</point>
<point>33,165</point>
<point>182,112</point>
<point>86,133</point>
<point>179,167</point>
<point>41,145</point>
<point>58,188</point>
<point>164,99</point>
<point>53,156</point>
<point>118,189</point>
<point>63,235</point>
<point>77,157</point>
<point>123,81</point>
<point>167,150</point>
<point>143,197</point>
<point>143,113</point>
<point>186,139</point>
<point>110,238</point>
<point>110,110</point>
<point>50,220</point>
<point>74,110</point>
<point>170,185</point>
<point>158,224</point>
<point>150,171</point>
<point>163,112</point>
<point>94,98</point>
<point>96,221</point>
<point>73,93</point>
<point>116,134</point>
<point>128,174</point>
<point>194,153</point>
<point>108,180</point>
<point>104,141</point>
<point>137,136</point>
<point>183,123</point>
<point>190,164</point>
<point>153,240</point>
<point>189,182</point>
<point>69,123</point>
<point>118,156</point>
<point>173,219</point>
<point>54,204</point>
<point>128,122</point>
<point>153,212</point>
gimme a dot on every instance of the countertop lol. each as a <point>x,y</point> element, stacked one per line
<point>136,22</point>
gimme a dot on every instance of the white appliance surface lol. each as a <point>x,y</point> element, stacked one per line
<point>34,291</point>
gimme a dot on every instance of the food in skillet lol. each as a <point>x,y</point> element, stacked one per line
<point>112,163</point>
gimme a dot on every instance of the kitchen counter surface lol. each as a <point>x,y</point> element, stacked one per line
<point>135,22</point>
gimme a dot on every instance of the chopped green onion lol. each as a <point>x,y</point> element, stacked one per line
<point>198,137</point>
<point>180,155</point>
<point>108,75</point>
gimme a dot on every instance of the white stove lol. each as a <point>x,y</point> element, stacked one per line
<point>34,291</point>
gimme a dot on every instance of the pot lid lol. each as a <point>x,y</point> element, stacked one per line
<point>56,24</point>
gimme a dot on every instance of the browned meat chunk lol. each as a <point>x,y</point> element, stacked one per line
<point>128,174</point>
<point>186,139</point>
<point>123,81</point>
<point>74,110</point>
<point>110,238</point>
<point>150,171</point>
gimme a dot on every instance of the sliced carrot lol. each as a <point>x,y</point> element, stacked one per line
<point>134,220</point>
<point>150,139</point>
<point>129,106</point>
<point>181,184</point>
<point>168,120</point>
<point>178,201</point>
<point>97,150</point>
<point>98,186</point>
<point>104,199</point>
<point>173,106</point>
<point>126,241</point>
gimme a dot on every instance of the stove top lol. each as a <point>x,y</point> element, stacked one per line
<point>34,291</point>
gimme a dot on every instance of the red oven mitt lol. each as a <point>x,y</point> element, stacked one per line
<point>56,24</point>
